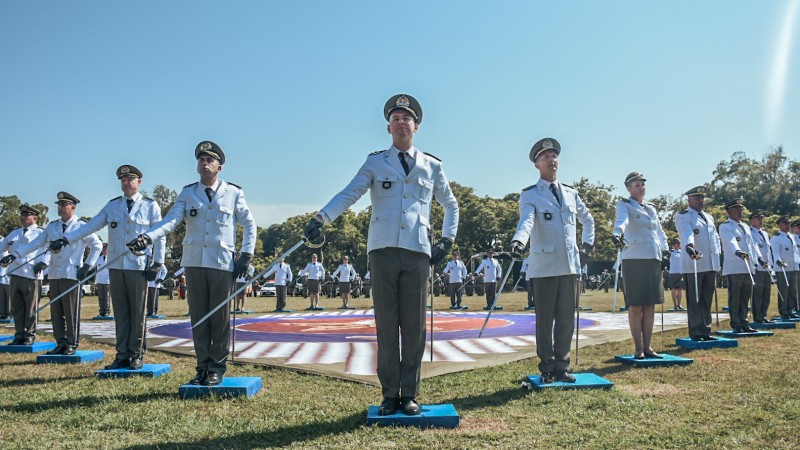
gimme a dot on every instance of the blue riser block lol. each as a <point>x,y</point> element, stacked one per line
<point>156,316</point>
<point>774,326</point>
<point>37,347</point>
<point>582,381</point>
<point>530,308</point>
<point>706,345</point>
<point>430,416</point>
<point>103,318</point>
<point>147,371</point>
<point>80,357</point>
<point>496,308</point>
<point>676,310</point>
<point>583,309</point>
<point>778,319</point>
<point>229,387</point>
<point>666,361</point>
<point>6,338</point>
<point>283,311</point>
<point>731,334</point>
<point>318,308</point>
<point>6,320</point>
<point>247,311</point>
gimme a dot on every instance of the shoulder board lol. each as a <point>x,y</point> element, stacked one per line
<point>684,211</point>
<point>566,185</point>
<point>234,185</point>
<point>115,198</point>
<point>626,200</point>
<point>432,156</point>
<point>190,185</point>
<point>529,188</point>
<point>650,204</point>
<point>378,152</point>
<point>83,219</point>
<point>148,199</point>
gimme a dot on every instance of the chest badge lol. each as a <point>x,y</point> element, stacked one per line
<point>696,231</point>
<point>638,216</point>
<point>548,216</point>
<point>387,184</point>
<point>113,224</point>
<point>738,239</point>
<point>192,212</point>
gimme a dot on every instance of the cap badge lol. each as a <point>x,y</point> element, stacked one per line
<point>124,169</point>
<point>402,101</point>
<point>701,190</point>
<point>205,146</point>
<point>60,195</point>
<point>547,144</point>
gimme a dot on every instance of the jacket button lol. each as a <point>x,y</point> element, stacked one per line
<point>402,226</point>
<point>405,211</point>
<point>405,196</point>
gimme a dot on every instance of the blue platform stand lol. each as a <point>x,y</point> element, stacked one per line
<point>103,318</point>
<point>147,371</point>
<point>731,334</point>
<point>530,308</point>
<point>156,316</point>
<point>6,320</point>
<point>430,416</point>
<point>677,310</point>
<point>706,345</point>
<point>459,308</point>
<point>666,360</point>
<point>779,319</point>
<point>283,311</point>
<point>624,308</point>
<point>229,387</point>
<point>36,347</point>
<point>774,326</point>
<point>496,308</point>
<point>245,311</point>
<point>581,308</point>
<point>318,308</point>
<point>582,381</point>
<point>6,338</point>
<point>80,357</point>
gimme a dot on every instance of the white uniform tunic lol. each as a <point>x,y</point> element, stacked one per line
<point>785,250</point>
<point>639,225</point>
<point>761,239</point>
<point>17,239</point>
<point>692,229</point>
<point>457,271</point>
<point>736,236</point>
<point>283,274</point>
<point>314,271</point>
<point>492,270</point>
<point>65,264</point>
<point>345,272</point>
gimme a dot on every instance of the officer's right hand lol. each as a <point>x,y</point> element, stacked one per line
<point>140,243</point>
<point>8,259</point>
<point>617,241</point>
<point>762,263</point>
<point>58,244</point>
<point>516,250</point>
<point>311,232</point>
<point>781,263</point>
<point>440,250</point>
<point>694,254</point>
<point>742,254</point>
<point>38,268</point>
<point>83,271</point>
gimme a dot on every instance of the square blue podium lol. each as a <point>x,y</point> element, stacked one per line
<point>773,326</point>
<point>156,316</point>
<point>496,308</point>
<point>666,360</point>
<point>282,311</point>
<point>6,320</point>
<point>530,308</point>
<point>730,333</point>
<point>582,381</point>
<point>244,311</point>
<point>6,338</point>
<point>779,319</point>
<point>316,308</point>
<point>80,357</point>
<point>677,310</point>
<point>36,347</point>
<point>706,345</point>
<point>147,371</point>
<point>103,318</point>
<point>430,416</point>
<point>229,387</point>
<point>581,308</point>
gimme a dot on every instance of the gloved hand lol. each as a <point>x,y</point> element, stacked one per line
<point>440,250</point>
<point>241,265</point>
<point>762,263</point>
<point>311,232</point>
<point>665,254</point>
<point>742,254</point>
<point>586,251</point>
<point>83,271</point>
<point>694,254</point>
<point>38,268</point>
<point>781,263</point>
<point>58,244</point>
<point>516,250</point>
<point>617,242</point>
<point>151,272</point>
<point>159,280</point>
<point>8,259</point>
<point>140,243</point>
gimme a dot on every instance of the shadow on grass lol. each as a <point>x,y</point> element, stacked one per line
<point>490,399</point>
<point>34,381</point>
<point>275,438</point>
<point>88,401</point>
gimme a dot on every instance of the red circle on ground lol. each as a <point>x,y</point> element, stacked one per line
<point>366,325</point>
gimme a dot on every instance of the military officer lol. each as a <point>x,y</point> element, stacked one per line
<point>786,260</point>
<point>314,272</point>
<point>702,247</point>
<point>25,275</point>
<point>241,281</point>
<point>5,301</point>
<point>763,281</point>
<point>65,269</point>
<point>523,272</point>
<point>403,181</point>
<point>741,256</point>
<point>794,308</point>
<point>457,273</point>
<point>675,279</point>
<point>152,291</point>
<point>102,283</point>
<point>549,212</point>
<point>346,274</point>
<point>492,273</point>
<point>126,216</point>
<point>211,209</point>
<point>283,276</point>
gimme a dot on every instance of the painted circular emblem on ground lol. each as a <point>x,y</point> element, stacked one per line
<point>361,328</point>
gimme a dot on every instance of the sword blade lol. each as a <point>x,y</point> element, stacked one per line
<point>497,297</point>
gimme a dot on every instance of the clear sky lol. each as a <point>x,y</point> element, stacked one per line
<point>293,91</point>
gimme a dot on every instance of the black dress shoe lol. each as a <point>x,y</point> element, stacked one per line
<point>749,329</point>
<point>199,378</point>
<point>136,364</point>
<point>710,338</point>
<point>212,379</point>
<point>546,377</point>
<point>767,321</point>
<point>738,330</point>
<point>118,364</point>
<point>56,351</point>
<point>564,377</point>
<point>698,338</point>
<point>794,316</point>
<point>389,406</point>
<point>28,341</point>
<point>409,405</point>
<point>68,350</point>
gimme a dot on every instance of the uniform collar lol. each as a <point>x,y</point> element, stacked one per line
<point>70,221</point>
<point>214,187</point>
<point>136,197</point>
<point>411,153</point>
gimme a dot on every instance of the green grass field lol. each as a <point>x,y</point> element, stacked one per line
<point>747,397</point>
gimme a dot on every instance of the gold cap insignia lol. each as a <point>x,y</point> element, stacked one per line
<point>124,169</point>
<point>60,195</point>
<point>547,145</point>
<point>701,190</point>
<point>402,101</point>
<point>205,146</point>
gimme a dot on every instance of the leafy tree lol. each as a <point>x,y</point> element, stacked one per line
<point>9,213</point>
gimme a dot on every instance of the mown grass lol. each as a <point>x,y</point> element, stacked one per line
<point>742,397</point>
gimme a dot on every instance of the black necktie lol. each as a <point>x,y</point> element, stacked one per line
<point>129,202</point>
<point>209,194</point>
<point>555,193</point>
<point>24,230</point>
<point>402,156</point>
<point>702,216</point>
<point>63,227</point>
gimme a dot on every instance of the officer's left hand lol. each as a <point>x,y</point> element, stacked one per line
<point>140,243</point>
<point>8,259</point>
<point>83,271</point>
<point>58,244</point>
<point>38,268</point>
<point>665,254</point>
<point>151,272</point>
<point>586,251</point>
<point>440,250</point>
<point>742,254</point>
<point>311,231</point>
<point>762,263</point>
<point>517,248</point>
<point>240,267</point>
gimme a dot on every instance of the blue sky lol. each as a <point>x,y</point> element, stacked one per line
<point>294,91</point>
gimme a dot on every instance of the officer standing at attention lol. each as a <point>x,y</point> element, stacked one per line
<point>283,276</point>
<point>211,209</point>
<point>763,287</point>
<point>675,275</point>
<point>5,301</point>
<point>786,262</point>
<point>741,256</point>
<point>549,212</point>
<point>24,281</point>
<point>345,273</point>
<point>403,181</point>
<point>102,283</point>
<point>314,272</point>
<point>701,244</point>
<point>239,300</point>
<point>65,269</point>
<point>523,272</point>
<point>126,216</point>
<point>152,291</point>
<point>457,272</point>
<point>492,273</point>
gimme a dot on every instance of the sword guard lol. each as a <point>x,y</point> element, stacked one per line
<point>312,244</point>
